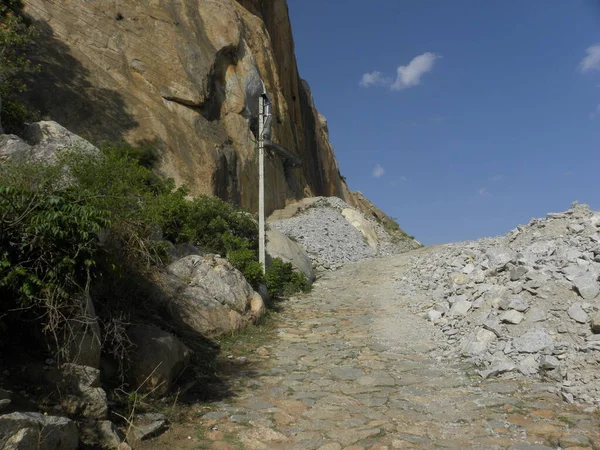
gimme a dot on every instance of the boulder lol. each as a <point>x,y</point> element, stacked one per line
<point>158,359</point>
<point>207,295</point>
<point>44,141</point>
<point>358,221</point>
<point>49,139</point>
<point>50,432</point>
<point>12,147</point>
<point>102,433</point>
<point>82,394</point>
<point>281,246</point>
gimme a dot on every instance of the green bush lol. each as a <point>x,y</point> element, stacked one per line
<point>15,35</point>
<point>283,281</point>
<point>49,242</point>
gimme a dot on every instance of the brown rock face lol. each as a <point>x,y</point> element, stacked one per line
<point>185,76</point>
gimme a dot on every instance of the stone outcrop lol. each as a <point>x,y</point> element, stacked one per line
<point>43,141</point>
<point>30,431</point>
<point>282,247</point>
<point>158,359</point>
<point>186,78</point>
<point>81,392</point>
<point>207,295</point>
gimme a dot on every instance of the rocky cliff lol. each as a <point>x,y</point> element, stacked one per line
<point>185,75</point>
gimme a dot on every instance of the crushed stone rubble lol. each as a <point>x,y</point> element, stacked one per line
<point>331,241</point>
<point>525,304</point>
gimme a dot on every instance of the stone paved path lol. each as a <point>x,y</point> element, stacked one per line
<point>350,370</point>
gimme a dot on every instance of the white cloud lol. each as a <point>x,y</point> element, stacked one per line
<point>403,178</point>
<point>496,178</point>
<point>378,171</point>
<point>410,75</point>
<point>407,76</point>
<point>373,79</point>
<point>484,192</point>
<point>592,60</point>
<point>596,112</point>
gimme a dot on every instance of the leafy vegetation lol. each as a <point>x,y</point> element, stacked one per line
<point>282,280</point>
<point>94,224</point>
<point>15,35</point>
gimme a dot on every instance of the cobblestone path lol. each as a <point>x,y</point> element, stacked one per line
<point>350,370</point>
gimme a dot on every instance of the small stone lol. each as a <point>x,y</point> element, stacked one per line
<point>575,227</point>
<point>434,316</point>
<point>499,256</point>
<point>460,308</point>
<point>498,369</point>
<point>518,304</point>
<point>517,272</point>
<point>577,313</point>
<point>533,342</point>
<point>493,326</point>
<point>512,317</point>
<point>477,342</point>
<point>535,315</point>
<point>149,425</point>
<point>587,286</point>
<point>595,322</point>
<point>548,362</point>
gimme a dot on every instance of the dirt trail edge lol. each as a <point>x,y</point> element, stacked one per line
<point>350,369</point>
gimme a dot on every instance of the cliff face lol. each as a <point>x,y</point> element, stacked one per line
<point>185,75</point>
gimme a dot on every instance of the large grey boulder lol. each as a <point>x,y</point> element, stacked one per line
<point>44,141</point>
<point>207,295</point>
<point>366,228</point>
<point>282,247</point>
<point>158,359</point>
<point>49,138</point>
<point>35,431</point>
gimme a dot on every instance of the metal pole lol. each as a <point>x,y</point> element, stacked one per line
<point>261,182</point>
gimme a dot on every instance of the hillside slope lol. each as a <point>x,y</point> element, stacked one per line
<point>185,76</point>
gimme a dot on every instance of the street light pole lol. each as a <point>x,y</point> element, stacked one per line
<point>261,180</point>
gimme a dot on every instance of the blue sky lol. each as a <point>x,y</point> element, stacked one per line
<point>463,118</point>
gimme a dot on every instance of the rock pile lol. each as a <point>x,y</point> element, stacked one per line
<point>333,233</point>
<point>526,304</point>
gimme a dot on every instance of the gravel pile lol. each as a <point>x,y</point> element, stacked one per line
<point>526,304</point>
<point>331,241</point>
<point>328,238</point>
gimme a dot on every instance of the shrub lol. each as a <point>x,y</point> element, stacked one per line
<point>48,243</point>
<point>15,35</point>
<point>283,281</point>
